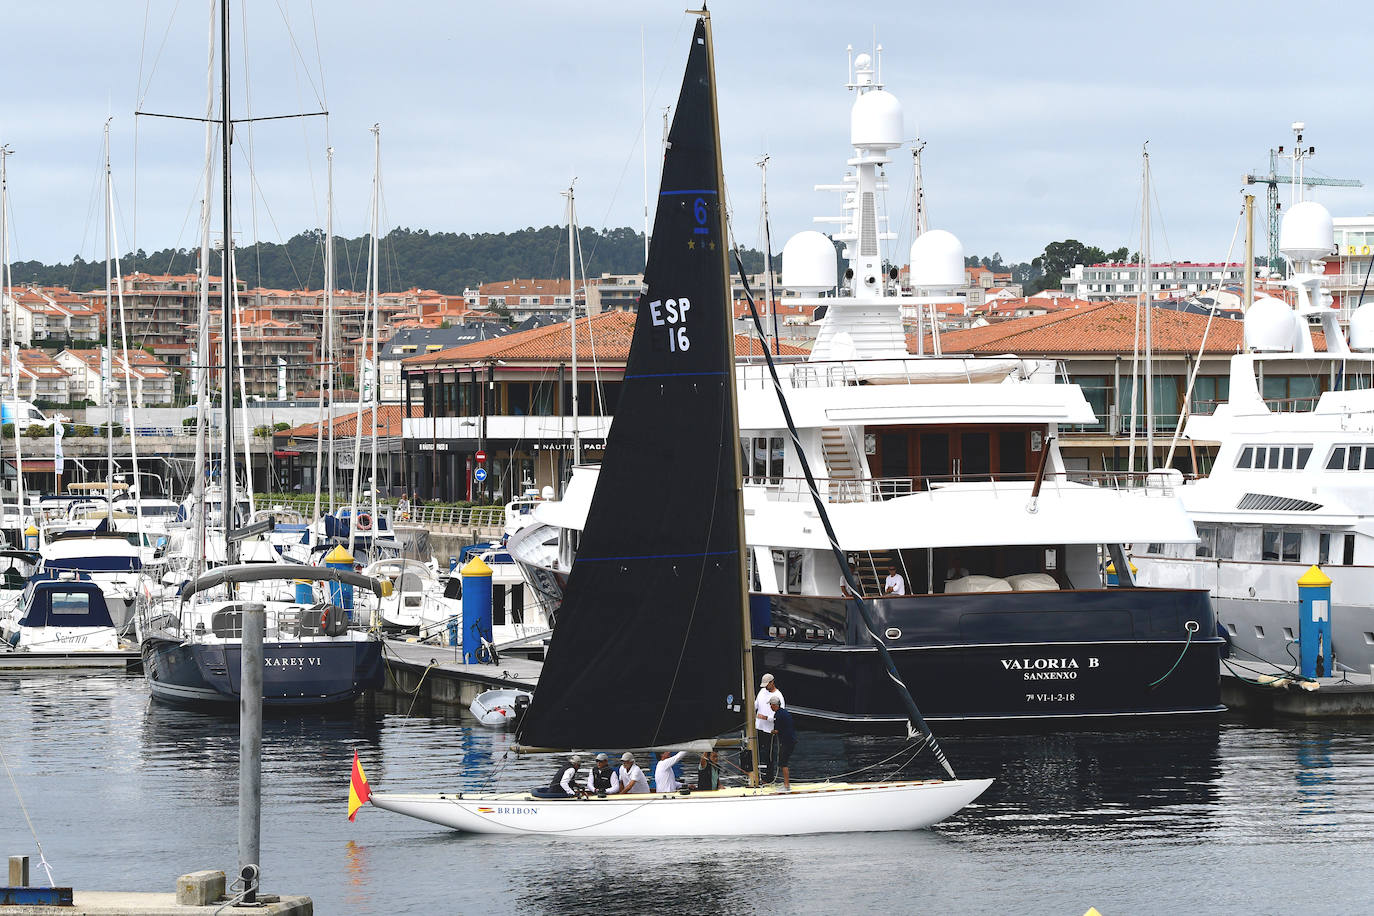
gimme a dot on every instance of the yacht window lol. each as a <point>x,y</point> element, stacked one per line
<point>1273,458</point>
<point>1246,455</point>
<point>1348,559</point>
<point>71,603</point>
<point>1154,548</point>
<point>1292,546</point>
<point>1323,548</point>
<point>1207,542</point>
<point>794,572</point>
<point>1226,543</point>
<point>1279,544</point>
<point>1337,459</point>
<point>1288,458</point>
<point>1368,458</point>
<point>1303,454</point>
<point>1352,461</point>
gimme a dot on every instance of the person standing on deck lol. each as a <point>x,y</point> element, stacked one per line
<point>894,584</point>
<point>665,780</point>
<point>708,772</point>
<point>767,752</point>
<point>786,738</point>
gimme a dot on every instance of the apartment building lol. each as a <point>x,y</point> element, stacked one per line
<point>41,378</point>
<point>50,313</point>
<point>148,378</point>
<point>1118,279</point>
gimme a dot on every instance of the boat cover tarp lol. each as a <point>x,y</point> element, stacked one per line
<point>65,603</point>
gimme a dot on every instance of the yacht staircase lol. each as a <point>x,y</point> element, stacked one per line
<point>844,468</point>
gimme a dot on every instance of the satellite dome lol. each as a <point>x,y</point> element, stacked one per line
<point>1306,233</point>
<point>1362,328</point>
<point>875,121</point>
<point>1271,326</point>
<point>808,263</point>
<point>937,261</point>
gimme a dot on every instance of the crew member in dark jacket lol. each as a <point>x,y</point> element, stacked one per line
<point>565,780</point>
<point>786,734</point>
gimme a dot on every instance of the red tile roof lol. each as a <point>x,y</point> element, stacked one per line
<point>1106,328</point>
<point>606,335</point>
<point>345,426</point>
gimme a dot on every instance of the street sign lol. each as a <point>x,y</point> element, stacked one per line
<point>480,456</point>
<point>479,475</point>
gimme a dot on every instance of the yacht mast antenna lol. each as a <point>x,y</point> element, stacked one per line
<point>572,325</point>
<point>770,308</point>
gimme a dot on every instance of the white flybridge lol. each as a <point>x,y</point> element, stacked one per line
<point>947,470</point>
<point>1291,486</point>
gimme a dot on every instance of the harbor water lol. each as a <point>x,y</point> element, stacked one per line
<point>1231,816</point>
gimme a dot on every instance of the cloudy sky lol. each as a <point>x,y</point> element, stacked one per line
<point>1035,114</point>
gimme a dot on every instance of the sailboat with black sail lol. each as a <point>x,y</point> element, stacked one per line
<point>652,645</point>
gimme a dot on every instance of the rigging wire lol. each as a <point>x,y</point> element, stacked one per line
<point>19,796</point>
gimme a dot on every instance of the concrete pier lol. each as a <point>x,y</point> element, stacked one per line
<point>200,893</point>
<point>436,674</point>
<point>1262,689</point>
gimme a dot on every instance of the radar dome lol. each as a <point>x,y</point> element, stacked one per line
<point>937,261</point>
<point>1306,232</point>
<point>1271,326</point>
<point>808,263</point>
<point>1362,328</point>
<point>875,121</point>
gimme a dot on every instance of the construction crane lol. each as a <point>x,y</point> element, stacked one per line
<point>1296,179</point>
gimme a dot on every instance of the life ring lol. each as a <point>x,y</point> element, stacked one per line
<point>364,521</point>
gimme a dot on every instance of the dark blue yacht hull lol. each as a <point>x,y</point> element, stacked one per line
<point>322,673</point>
<point>1112,653</point>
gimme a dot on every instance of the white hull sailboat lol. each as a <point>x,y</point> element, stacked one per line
<point>658,597</point>
<point>824,807</point>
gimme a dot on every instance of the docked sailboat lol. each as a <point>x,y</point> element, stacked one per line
<point>652,643</point>
<point>316,649</point>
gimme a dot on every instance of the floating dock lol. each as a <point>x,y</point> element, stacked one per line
<point>437,674</point>
<point>1259,688</point>
<point>109,662</point>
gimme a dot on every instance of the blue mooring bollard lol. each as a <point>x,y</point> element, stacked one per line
<point>476,608</point>
<point>1314,623</point>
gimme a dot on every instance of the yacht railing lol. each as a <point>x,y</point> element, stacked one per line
<point>421,515</point>
<point>845,490</point>
<point>841,373</point>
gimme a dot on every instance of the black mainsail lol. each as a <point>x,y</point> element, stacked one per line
<point>648,649</point>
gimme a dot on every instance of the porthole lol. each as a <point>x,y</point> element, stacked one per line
<point>893,633</point>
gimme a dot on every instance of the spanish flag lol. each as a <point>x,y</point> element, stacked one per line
<point>358,790</point>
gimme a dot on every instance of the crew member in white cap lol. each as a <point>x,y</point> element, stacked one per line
<point>565,780</point>
<point>602,778</point>
<point>632,780</point>
<point>763,713</point>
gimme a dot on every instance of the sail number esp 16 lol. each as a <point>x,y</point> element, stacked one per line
<point>672,313</point>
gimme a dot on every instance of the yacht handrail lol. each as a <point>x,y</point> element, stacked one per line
<point>258,572</point>
<point>877,489</point>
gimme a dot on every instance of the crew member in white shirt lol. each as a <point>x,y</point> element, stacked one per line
<point>665,780</point>
<point>894,584</point>
<point>763,713</point>
<point>632,780</point>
